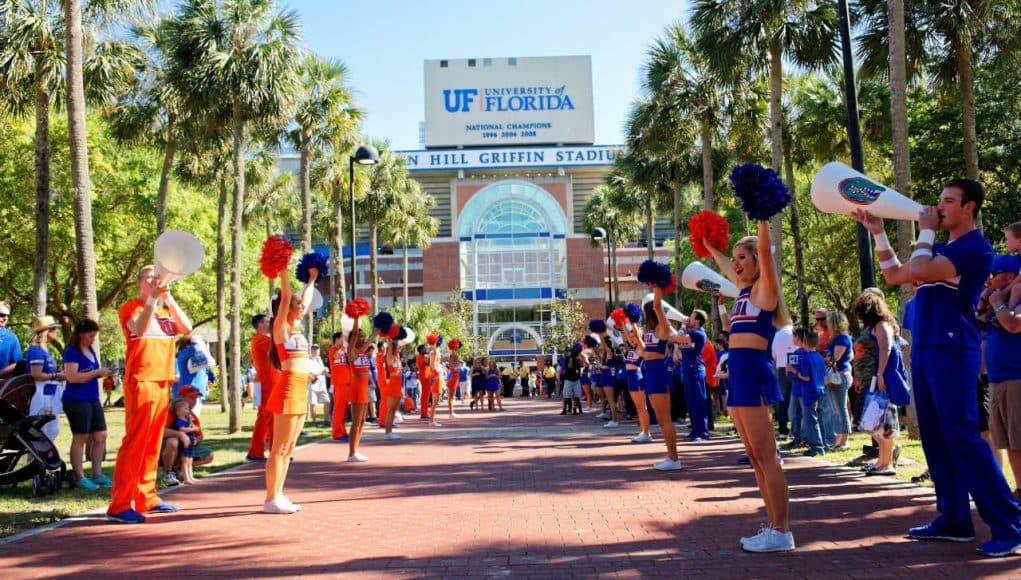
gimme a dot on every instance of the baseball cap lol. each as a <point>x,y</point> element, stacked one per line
<point>1006,263</point>
<point>189,391</point>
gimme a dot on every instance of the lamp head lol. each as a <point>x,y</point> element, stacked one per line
<point>598,234</point>
<point>366,155</point>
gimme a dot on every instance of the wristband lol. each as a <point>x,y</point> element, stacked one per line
<point>883,242</point>
<point>150,301</point>
<point>723,310</point>
<point>889,263</point>
<point>926,236</point>
<point>921,252</point>
<point>999,307</point>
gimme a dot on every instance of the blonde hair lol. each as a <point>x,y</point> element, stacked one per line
<point>782,314</point>
<point>837,322</point>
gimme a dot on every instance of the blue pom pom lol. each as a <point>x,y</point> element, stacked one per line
<point>761,191</point>
<point>634,312</point>
<point>597,326</point>
<point>309,261</point>
<point>383,322</point>
<point>590,341</point>
<point>439,342</point>
<point>402,334</point>
<point>655,274</point>
<point>576,346</point>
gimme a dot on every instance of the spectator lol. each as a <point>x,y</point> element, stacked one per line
<point>81,404</point>
<point>808,368</point>
<point>722,375</point>
<point>173,440</point>
<point>193,361</point>
<point>10,346</point>
<point>318,394</point>
<point>863,368</point>
<point>48,380</point>
<point>549,375</point>
<point>1003,343</point>
<point>412,385</point>
<point>822,328</point>
<point>836,420</point>
<point>181,422</point>
<point>108,388</point>
<point>783,346</point>
<point>711,380</point>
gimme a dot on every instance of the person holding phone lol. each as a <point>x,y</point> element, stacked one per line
<point>81,403</point>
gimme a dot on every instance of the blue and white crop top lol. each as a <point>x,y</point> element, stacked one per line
<point>747,318</point>
<point>653,344</point>
<point>631,357</point>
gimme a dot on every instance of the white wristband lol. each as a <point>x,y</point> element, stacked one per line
<point>150,301</point>
<point>723,310</point>
<point>883,242</point>
<point>921,252</point>
<point>889,263</point>
<point>926,237</point>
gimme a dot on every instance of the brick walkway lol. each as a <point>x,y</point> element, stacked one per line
<point>525,493</point>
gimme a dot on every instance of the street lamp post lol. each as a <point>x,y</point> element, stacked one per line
<point>600,235</point>
<point>365,155</point>
<point>865,267</point>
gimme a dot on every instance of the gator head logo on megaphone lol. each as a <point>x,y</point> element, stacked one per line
<point>839,189</point>
<point>697,276</point>
<point>177,254</point>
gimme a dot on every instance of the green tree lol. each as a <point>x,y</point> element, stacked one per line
<point>241,52</point>
<point>412,226</point>
<point>567,323</point>
<point>606,209</point>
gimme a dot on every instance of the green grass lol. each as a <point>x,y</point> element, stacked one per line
<point>20,511</point>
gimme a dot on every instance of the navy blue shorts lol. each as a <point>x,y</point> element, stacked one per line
<point>635,382</point>
<point>752,381</point>
<point>657,377</point>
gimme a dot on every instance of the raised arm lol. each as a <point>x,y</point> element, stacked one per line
<point>766,291</point>
<point>283,309</point>
<point>726,266</point>
<point>662,324</point>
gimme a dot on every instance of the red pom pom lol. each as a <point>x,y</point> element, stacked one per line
<point>276,255</point>
<point>454,344</point>
<point>672,286</point>
<point>619,318</point>
<point>707,226</point>
<point>357,308</point>
<point>432,338</point>
<point>395,330</point>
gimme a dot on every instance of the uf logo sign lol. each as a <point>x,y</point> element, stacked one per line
<point>462,98</point>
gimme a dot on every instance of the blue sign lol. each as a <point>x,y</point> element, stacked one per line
<point>505,157</point>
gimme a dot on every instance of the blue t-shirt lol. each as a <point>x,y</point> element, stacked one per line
<point>87,392</point>
<point>691,356</point>
<point>10,348</point>
<point>793,366</point>
<point>1003,354</point>
<point>180,423</point>
<point>812,365</point>
<point>39,356</point>
<point>462,373</point>
<point>944,312</point>
<point>844,340</point>
<point>200,378</point>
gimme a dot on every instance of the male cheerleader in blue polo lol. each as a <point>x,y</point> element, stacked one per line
<point>945,359</point>
<point>693,372</point>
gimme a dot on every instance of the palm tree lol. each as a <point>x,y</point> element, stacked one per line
<point>31,56</point>
<point>242,52</point>
<point>411,226</point>
<point>765,32</point>
<point>606,209</point>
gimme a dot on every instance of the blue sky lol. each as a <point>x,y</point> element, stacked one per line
<point>384,42</point>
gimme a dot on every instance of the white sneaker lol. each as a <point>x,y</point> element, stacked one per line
<point>392,437</point>
<point>773,541</point>
<point>611,424</point>
<point>398,419</point>
<point>763,532</point>
<point>286,501</point>
<point>277,507</point>
<point>452,416</point>
<point>357,458</point>
<point>435,424</point>
<point>170,479</point>
<point>668,465</point>
<point>601,416</point>
<point>642,438</point>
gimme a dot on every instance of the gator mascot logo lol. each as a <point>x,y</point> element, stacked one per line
<point>860,191</point>
<point>707,285</point>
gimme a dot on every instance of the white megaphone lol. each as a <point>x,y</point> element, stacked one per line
<point>177,254</point>
<point>698,276</point>
<point>317,302</point>
<point>837,188</point>
<point>671,312</point>
<point>407,339</point>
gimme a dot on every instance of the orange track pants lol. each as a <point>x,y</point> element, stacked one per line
<point>262,433</point>
<point>134,474</point>
<point>341,399</point>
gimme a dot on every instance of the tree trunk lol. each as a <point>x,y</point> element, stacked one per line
<point>799,250</point>
<point>161,195</point>
<point>374,265</point>
<point>338,242</point>
<point>221,291</point>
<point>79,153</point>
<point>962,48</point>
<point>404,277</point>
<point>305,153</point>
<point>42,198</point>
<point>677,241</point>
<point>707,168</point>
<point>616,273</point>
<point>650,235</point>
<point>776,139</point>
<point>234,423</point>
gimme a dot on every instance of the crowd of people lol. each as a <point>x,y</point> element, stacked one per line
<point>802,385</point>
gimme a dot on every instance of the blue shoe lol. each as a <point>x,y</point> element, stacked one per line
<point>128,516</point>
<point>744,460</point>
<point>166,508</point>
<point>102,481</point>
<point>999,548</point>
<point>251,459</point>
<point>342,438</point>
<point>938,531</point>
<point>87,484</point>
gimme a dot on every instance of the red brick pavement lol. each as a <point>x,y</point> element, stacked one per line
<point>525,493</point>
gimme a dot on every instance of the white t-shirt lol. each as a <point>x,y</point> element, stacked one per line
<point>783,345</point>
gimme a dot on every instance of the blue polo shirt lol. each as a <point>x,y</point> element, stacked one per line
<point>87,392</point>
<point>39,356</point>
<point>811,365</point>
<point>691,357</point>
<point>944,311</point>
<point>10,348</point>
<point>844,340</point>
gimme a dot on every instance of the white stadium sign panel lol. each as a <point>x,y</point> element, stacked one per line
<point>508,101</point>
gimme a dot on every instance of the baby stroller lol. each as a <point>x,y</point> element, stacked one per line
<point>25,452</point>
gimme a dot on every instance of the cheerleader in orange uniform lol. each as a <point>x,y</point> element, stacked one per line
<point>340,378</point>
<point>454,368</point>
<point>392,391</point>
<point>426,377</point>
<point>436,373</point>
<point>288,400</point>
<point>361,360</point>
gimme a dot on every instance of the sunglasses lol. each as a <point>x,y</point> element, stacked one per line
<point>820,320</point>
<point>4,315</point>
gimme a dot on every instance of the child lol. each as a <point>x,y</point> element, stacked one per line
<point>108,387</point>
<point>810,370</point>
<point>182,424</point>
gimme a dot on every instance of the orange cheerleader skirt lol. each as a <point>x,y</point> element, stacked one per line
<point>290,394</point>
<point>359,389</point>
<point>392,388</point>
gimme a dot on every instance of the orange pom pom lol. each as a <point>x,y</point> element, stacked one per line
<point>707,226</point>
